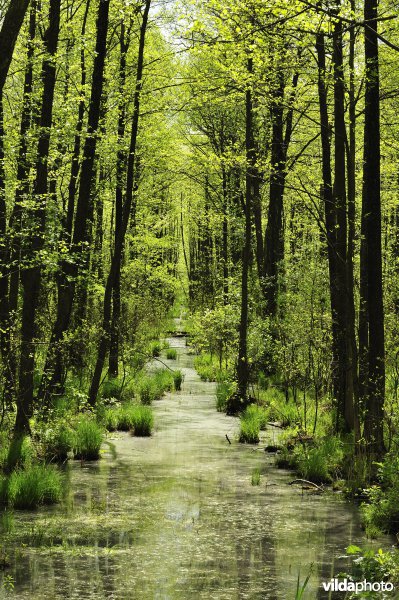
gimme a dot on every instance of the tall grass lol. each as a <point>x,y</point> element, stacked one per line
<point>152,386</point>
<point>88,439</point>
<point>252,420</point>
<point>29,488</point>
<point>171,354</point>
<point>177,380</point>
<point>142,421</point>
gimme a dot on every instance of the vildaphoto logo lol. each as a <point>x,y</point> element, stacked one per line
<point>345,585</point>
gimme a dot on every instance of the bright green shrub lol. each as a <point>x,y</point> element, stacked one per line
<point>177,380</point>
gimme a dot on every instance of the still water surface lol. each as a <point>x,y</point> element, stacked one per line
<point>175,517</point>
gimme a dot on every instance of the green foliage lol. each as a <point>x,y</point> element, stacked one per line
<point>153,385</point>
<point>319,461</point>
<point>110,419</point>
<point>178,378</point>
<point>111,388</point>
<point>381,512</point>
<point>373,565</point>
<point>171,354</point>
<point>88,439</point>
<point>215,331</point>
<point>33,486</point>
<point>142,421</point>
<point>224,390</point>
<point>249,426</point>
<point>155,349</point>
<point>208,368</point>
<point>21,452</point>
<point>125,417</point>
<point>57,440</point>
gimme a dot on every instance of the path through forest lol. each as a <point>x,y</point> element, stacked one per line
<point>175,516</point>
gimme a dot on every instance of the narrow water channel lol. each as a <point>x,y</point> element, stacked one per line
<point>175,517</point>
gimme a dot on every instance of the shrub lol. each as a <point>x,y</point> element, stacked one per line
<point>319,463</point>
<point>142,421</point>
<point>111,388</point>
<point>29,488</point>
<point>57,440</point>
<point>88,439</point>
<point>171,354</point>
<point>177,380</point>
<point>381,512</point>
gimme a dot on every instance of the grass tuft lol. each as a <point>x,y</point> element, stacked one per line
<point>88,439</point>
<point>171,354</point>
<point>178,379</point>
<point>142,421</point>
<point>29,488</point>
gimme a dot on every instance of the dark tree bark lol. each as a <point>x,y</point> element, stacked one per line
<point>53,371</point>
<point>126,214</point>
<point>31,266</point>
<point>12,23</point>
<point>242,360</point>
<point>371,215</point>
<point>343,381</point>
<point>113,366</point>
<point>351,170</point>
<point>272,249</point>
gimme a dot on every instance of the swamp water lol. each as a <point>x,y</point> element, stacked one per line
<point>175,517</point>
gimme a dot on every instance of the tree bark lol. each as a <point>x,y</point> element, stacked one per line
<point>127,208</point>
<point>31,266</point>
<point>371,213</point>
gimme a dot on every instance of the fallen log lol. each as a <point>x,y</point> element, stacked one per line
<point>317,487</point>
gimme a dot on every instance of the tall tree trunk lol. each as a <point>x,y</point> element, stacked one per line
<point>371,213</point>
<point>273,234</point>
<point>113,366</point>
<point>344,383</point>
<point>53,370</point>
<point>12,23</point>
<point>127,208</point>
<point>273,251</point>
<point>31,266</point>
<point>351,169</point>
<point>242,361</point>
<point>329,206</point>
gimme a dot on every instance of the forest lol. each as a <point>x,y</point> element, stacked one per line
<point>199,212</point>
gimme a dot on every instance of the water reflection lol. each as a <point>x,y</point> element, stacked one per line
<point>176,517</point>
